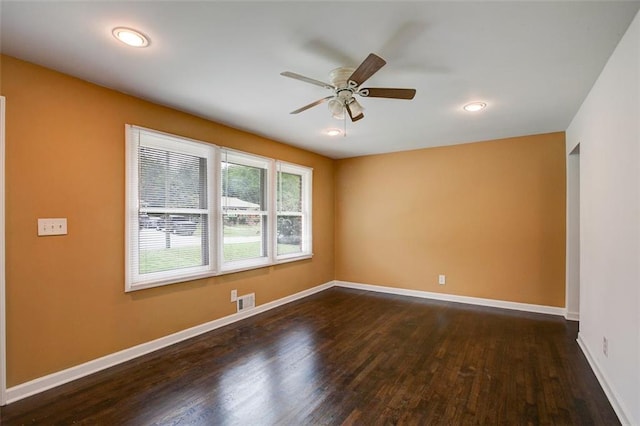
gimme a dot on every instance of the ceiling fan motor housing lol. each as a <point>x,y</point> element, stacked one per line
<point>339,77</point>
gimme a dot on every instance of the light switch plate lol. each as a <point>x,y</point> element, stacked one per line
<point>52,226</point>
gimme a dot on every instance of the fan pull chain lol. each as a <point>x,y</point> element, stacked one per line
<point>344,133</point>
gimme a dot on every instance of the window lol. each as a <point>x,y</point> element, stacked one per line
<point>196,210</point>
<point>169,208</point>
<point>293,187</point>
<point>245,217</point>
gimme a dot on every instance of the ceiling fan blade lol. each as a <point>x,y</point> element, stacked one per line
<point>380,92</point>
<point>357,108</point>
<point>307,79</point>
<point>367,68</point>
<point>311,105</point>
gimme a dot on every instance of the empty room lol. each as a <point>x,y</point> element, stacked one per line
<point>317,212</point>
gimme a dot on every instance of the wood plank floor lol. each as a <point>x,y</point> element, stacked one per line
<point>346,357</point>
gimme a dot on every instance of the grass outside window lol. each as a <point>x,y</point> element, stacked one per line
<point>165,259</point>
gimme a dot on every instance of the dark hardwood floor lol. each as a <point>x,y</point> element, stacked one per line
<point>346,357</point>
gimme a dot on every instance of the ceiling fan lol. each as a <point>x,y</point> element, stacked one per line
<point>345,83</point>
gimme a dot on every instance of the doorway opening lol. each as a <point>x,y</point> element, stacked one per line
<point>3,327</point>
<point>573,235</point>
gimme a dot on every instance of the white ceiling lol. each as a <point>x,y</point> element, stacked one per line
<point>532,62</point>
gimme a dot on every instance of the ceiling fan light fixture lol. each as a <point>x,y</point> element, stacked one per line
<point>475,106</point>
<point>336,108</point>
<point>355,107</point>
<point>334,132</point>
<point>130,37</point>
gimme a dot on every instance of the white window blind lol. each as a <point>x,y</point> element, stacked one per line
<point>170,208</point>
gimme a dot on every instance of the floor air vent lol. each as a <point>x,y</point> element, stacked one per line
<point>248,301</point>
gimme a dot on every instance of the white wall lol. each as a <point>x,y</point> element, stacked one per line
<point>607,126</point>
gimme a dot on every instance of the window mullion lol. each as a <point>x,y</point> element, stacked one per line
<point>215,217</point>
<point>272,210</point>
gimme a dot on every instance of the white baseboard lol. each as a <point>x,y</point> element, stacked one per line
<point>618,407</point>
<point>44,383</point>
<point>541,309</point>
<point>572,316</point>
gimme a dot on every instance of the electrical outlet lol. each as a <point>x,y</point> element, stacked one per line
<point>442,280</point>
<point>605,346</point>
<point>234,295</point>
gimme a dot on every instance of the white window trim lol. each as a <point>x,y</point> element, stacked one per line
<point>215,155</point>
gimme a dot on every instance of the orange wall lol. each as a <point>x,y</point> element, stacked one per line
<point>490,216</point>
<point>65,158</point>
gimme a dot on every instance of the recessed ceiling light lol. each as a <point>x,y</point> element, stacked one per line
<point>334,132</point>
<point>475,106</point>
<point>130,37</point>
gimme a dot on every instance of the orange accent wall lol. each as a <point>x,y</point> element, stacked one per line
<point>489,215</point>
<point>65,154</point>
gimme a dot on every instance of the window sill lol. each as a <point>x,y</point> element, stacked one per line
<point>199,276</point>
